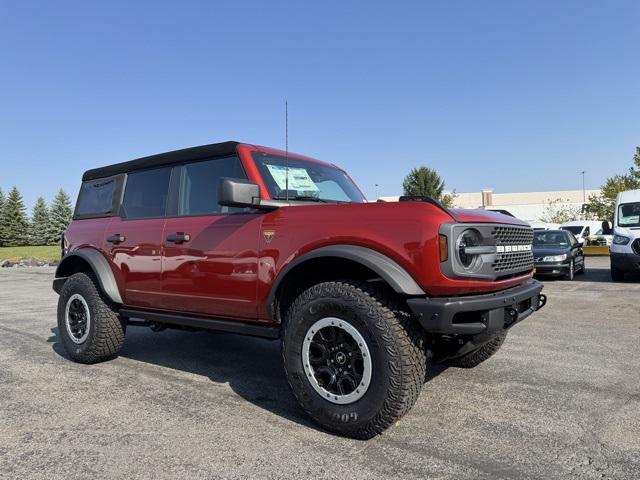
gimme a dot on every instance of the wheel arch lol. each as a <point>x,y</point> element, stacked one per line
<point>332,263</point>
<point>88,260</point>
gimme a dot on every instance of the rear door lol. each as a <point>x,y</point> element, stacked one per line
<point>209,264</point>
<point>133,240</point>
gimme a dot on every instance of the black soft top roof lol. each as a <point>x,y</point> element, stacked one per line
<point>194,153</point>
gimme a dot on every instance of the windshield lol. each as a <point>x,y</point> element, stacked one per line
<point>302,180</point>
<point>575,230</point>
<point>550,237</point>
<point>629,215</point>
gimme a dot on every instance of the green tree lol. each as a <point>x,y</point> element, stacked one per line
<point>601,206</point>
<point>60,215</point>
<point>39,223</point>
<point>425,182</point>
<point>14,227</point>
<point>2,202</point>
<point>556,211</point>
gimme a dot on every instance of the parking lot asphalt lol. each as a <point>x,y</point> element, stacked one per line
<point>560,400</point>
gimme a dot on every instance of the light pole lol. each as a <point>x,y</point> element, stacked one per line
<point>584,196</point>
<point>376,185</point>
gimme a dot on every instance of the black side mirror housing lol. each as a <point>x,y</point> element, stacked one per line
<point>606,228</point>
<point>237,192</point>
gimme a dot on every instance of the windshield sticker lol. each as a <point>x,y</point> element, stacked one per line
<point>299,178</point>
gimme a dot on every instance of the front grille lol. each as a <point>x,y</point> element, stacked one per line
<point>517,261</point>
<point>504,235</point>
<point>513,261</point>
<point>636,246</point>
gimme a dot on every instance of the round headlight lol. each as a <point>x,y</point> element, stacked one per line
<point>468,238</point>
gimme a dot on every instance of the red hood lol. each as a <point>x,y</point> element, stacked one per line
<point>484,216</point>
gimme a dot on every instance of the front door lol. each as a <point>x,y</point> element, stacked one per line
<point>134,239</point>
<point>210,258</point>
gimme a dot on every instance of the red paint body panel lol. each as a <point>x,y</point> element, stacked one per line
<point>228,268</point>
<point>87,233</point>
<point>137,261</point>
<point>216,272</point>
<point>406,232</point>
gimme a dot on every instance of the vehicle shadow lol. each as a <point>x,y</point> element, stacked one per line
<point>252,367</point>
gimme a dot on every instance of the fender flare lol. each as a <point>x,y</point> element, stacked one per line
<point>389,270</point>
<point>100,268</point>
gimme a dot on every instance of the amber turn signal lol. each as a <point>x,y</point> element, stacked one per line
<point>444,251</point>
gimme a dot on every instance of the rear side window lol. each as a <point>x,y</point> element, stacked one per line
<point>199,182</point>
<point>145,195</point>
<point>99,198</point>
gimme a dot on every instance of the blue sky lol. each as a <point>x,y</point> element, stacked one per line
<point>517,96</point>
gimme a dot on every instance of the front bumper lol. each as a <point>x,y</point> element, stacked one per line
<point>479,314</point>
<point>627,262</point>
<point>552,268</point>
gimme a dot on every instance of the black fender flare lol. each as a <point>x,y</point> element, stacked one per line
<point>388,269</point>
<point>100,267</point>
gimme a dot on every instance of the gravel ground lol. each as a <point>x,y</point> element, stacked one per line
<point>560,400</point>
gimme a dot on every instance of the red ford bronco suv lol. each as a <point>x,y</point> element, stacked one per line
<point>257,241</point>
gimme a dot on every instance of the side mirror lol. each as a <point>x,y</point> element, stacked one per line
<point>606,228</point>
<point>580,244</point>
<point>236,192</point>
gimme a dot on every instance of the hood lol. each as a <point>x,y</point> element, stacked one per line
<point>485,216</point>
<point>542,251</point>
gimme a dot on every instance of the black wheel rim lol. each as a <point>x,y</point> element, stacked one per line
<point>77,318</point>
<point>337,360</point>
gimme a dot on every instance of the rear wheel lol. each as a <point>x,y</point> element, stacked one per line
<point>355,361</point>
<point>88,325</point>
<point>476,357</point>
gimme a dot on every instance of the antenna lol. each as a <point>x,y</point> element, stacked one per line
<point>286,149</point>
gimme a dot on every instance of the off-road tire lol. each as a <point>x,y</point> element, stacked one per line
<point>476,357</point>
<point>617,275</point>
<point>396,344</point>
<point>106,329</point>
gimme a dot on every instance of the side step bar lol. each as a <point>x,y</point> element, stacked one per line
<point>205,323</point>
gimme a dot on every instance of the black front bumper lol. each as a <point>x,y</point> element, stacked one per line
<point>479,314</point>
<point>627,262</point>
<point>552,268</point>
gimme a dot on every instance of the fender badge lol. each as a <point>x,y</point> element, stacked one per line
<point>268,235</point>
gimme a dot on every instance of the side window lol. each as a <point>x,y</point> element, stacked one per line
<point>96,197</point>
<point>199,185</point>
<point>146,192</point>
<point>572,239</point>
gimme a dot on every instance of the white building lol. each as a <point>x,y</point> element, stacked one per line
<point>528,206</point>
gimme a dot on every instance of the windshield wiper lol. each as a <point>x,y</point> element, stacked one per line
<point>303,198</point>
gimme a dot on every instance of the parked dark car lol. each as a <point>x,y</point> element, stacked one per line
<point>557,253</point>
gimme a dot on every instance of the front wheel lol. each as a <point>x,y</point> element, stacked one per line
<point>617,275</point>
<point>354,360</point>
<point>479,355</point>
<point>572,271</point>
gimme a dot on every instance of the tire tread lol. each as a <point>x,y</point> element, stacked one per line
<point>404,340</point>
<point>109,331</point>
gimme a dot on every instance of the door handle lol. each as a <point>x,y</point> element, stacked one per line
<point>117,238</point>
<point>178,237</point>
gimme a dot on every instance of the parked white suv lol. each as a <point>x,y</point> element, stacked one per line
<point>625,249</point>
